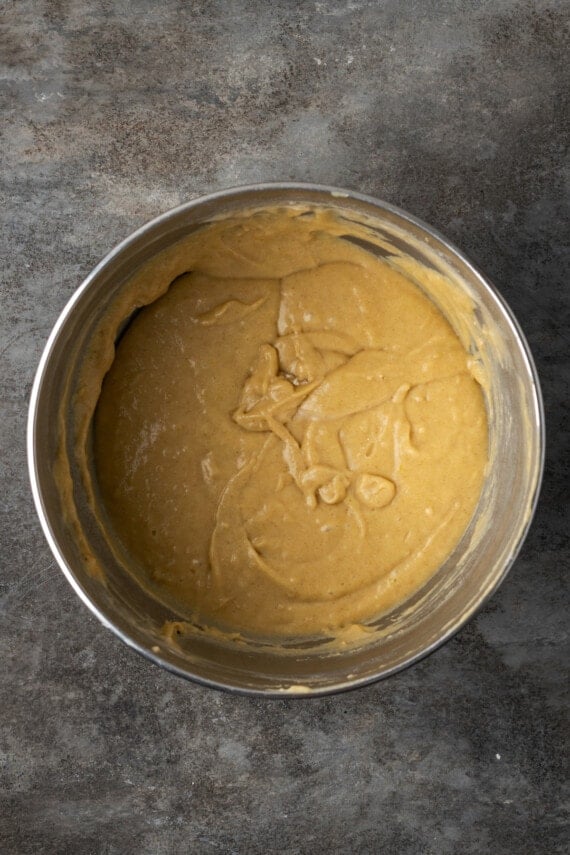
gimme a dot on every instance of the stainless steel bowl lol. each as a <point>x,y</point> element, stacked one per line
<point>453,595</point>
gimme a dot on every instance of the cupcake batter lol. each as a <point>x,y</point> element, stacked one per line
<point>289,440</point>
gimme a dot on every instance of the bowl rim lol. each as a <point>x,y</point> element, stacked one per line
<point>293,691</point>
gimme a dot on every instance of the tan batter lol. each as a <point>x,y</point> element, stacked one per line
<point>289,440</point>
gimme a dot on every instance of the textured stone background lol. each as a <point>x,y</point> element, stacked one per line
<point>112,113</point>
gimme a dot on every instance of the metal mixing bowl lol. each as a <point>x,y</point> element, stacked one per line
<point>453,595</point>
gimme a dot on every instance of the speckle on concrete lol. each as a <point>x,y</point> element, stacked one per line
<point>112,112</point>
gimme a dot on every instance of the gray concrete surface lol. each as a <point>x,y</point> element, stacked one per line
<point>115,111</point>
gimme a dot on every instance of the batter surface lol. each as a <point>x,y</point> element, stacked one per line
<point>289,440</point>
